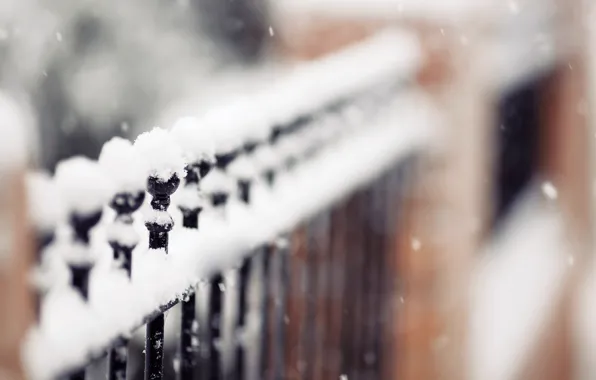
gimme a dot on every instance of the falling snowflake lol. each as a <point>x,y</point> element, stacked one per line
<point>416,244</point>
<point>550,191</point>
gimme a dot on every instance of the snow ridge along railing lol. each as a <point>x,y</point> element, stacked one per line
<point>124,238</point>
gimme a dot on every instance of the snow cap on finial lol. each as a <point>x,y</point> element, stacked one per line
<point>83,184</point>
<point>124,165</point>
<point>194,139</point>
<point>163,156</point>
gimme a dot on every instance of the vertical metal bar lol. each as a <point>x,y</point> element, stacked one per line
<point>336,273</point>
<point>383,263</point>
<point>215,311</point>
<point>295,326</point>
<point>117,359</point>
<point>362,283</point>
<point>219,199</point>
<point>243,289</point>
<point>373,300</point>
<point>238,372</point>
<point>187,349</point>
<point>82,225</point>
<point>125,204</point>
<point>280,288</point>
<point>317,245</point>
<point>307,346</point>
<point>266,255</point>
<point>158,239</point>
<point>400,202</point>
<point>366,286</point>
<point>154,341</point>
<point>351,280</point>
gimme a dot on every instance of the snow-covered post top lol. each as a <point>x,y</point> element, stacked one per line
<point>85,189</point>
<point>46,210</point>
<point>254,133</point>
<point>165,168</point>
<point>125,166</point>
<point>219,184</point>
<point>199,154</point>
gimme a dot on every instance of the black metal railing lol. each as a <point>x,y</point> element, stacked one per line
<point>305,287</point>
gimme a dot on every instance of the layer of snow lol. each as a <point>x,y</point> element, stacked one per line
<point>45,206</point>
<point>515,290</point>
<point>83,185</point>
<point>223,125</point>
<point>265,157</point>
<point>195,140</point>
<point>243,167</point>
<point>389,55</point>
<point>445,11</point>
<point>218,181</point>
<point>77,254</point>
<point>157,216</point>
<point>162,154</point>
<point>67,339</point>
<point>123,164</point>
<point>124,234</point>
<point>189,197</point>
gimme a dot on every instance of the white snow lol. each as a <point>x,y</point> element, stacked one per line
<point>337,171</point>
<point>218,181</point>
<point>123,164</point>
<point>83,185</point>
<point>392,54</point>
<point>243,167</point>
<point>515,290</point>
<point>45,206</point>
<point>223,125</point>
<point>265,157</point>
<point>125,234</point>
<point>189,197</point>
<point>162,154</point>
<point>77,254</point>
<point>195,140</point>
<point>549,190</point>
<point>157,216</point>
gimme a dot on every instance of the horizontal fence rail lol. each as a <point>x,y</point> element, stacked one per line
<point>124,239</point>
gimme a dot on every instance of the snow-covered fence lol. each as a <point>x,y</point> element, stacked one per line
<point>114,256</point>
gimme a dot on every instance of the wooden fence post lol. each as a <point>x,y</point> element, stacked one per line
<point>567,161</point>
<point>16,251</point>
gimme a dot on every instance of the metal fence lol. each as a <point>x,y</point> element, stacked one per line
<point>290,196</point>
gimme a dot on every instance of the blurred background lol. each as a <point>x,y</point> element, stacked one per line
<point>496,258</point>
